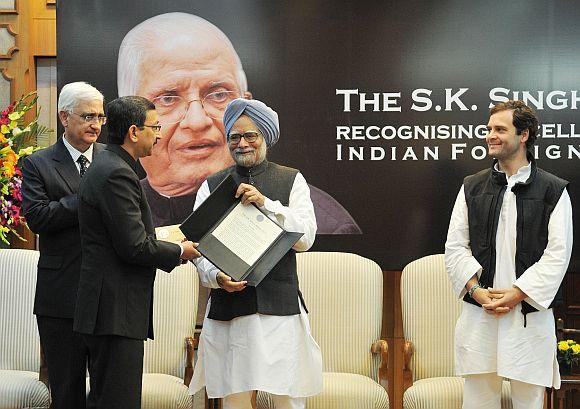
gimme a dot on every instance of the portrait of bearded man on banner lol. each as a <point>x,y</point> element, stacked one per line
<point>190,70</point>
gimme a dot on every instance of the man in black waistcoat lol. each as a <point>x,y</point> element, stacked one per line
<point>120,255</point>
<point>508,248</point>
<point>258,338</point>
<point>50,204</point>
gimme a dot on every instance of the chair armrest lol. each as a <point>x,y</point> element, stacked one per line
<point>43,373</point>
<point>561,332</point>
<point>190,347</point>
<point>382,347</point>
<point>408,350</point>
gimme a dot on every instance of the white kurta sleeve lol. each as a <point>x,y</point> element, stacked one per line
<point>298,216</point>
<point>542,280</point>
<point>459,262</point>
<point>207,271</point>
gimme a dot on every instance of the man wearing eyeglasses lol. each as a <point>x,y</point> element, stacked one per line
<point>50,184</point>
<point>240,345</point>
<point>114,310</point>
<point>190,70</point>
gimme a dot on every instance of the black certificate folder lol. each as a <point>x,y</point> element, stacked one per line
<point>239,239</point>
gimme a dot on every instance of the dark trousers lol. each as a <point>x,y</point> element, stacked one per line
<point>116,371</point>
<point>66,358</point>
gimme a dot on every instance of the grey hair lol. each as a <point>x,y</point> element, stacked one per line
<point>162,27</point>
<point>75,93</point>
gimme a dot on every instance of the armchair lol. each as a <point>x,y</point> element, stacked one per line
<point>20,363</point>
<point>343,293</point>
<point>168,360</point>
<point>430,310</point>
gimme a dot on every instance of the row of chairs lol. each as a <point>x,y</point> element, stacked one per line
<point>344,293</point>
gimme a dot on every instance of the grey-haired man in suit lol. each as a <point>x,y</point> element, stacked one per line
<point>51,180</point>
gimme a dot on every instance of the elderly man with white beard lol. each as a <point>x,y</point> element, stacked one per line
<point>240,346</point>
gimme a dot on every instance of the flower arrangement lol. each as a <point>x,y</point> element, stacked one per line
<point>568,352</point>
<point>17,140</point>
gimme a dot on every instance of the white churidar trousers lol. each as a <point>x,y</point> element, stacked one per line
<point>483,391</point>
<point>243,400</point>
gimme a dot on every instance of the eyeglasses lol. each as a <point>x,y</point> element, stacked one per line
<point>172,108</point>
<point>155,128</point>
<point>250,137</point>
<point>92,118</point>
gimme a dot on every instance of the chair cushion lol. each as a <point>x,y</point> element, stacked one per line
<point>344,391</point>
<point>22,389</point>
<point>161,391</point>
<point>443,393</point>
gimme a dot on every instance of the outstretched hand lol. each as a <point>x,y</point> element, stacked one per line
<point>231,286</point>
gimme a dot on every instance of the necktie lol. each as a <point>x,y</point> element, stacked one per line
<point>83,161</point>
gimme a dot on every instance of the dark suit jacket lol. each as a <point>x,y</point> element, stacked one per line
<point>120,253</point>
<point>49,190</point>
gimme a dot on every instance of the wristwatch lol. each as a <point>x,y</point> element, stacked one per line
<point>472,289</point>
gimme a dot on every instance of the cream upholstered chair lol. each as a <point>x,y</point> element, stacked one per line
<point>430,310</point>
<point>19,342</point>
<point>344,296</point>
<point>168,360</point>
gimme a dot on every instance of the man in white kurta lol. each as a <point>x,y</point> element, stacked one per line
<point>271,353</point>
<point>498,341</point>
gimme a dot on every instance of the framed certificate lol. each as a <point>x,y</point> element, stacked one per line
<point>241,240</point>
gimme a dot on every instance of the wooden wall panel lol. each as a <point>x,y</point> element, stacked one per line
<point>35,25</point>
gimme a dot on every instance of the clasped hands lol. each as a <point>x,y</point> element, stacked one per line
<point>499,301</point>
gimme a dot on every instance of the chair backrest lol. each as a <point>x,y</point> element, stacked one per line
<point>174,313</point>
<point>19,341</point>
<point>430,310</point>
<point>344,295</point>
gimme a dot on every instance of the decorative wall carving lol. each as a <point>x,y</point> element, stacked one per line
<point>9,6</point>
<point>6,88</point>
<point>7,41</point>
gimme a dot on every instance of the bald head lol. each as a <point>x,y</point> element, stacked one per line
<point>169,33</point>
<point>190,70</point>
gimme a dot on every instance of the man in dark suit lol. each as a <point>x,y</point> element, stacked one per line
<point>49,189</point>
<point>120,255</point>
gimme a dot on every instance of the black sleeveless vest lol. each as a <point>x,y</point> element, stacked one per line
<point>278,292</point>
<point>535,201</point>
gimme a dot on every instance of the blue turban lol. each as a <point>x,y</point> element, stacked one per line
<point>265,118</point>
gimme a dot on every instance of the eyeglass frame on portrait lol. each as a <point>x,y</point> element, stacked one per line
<point>160,109</point>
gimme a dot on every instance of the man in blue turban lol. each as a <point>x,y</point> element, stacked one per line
<point>265,118</point>
<point>239,349</point>
<point>199,71</point>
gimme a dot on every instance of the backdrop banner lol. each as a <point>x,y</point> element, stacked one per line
<point>383,106</point>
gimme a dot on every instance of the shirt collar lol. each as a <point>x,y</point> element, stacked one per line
<point>75,153</point>
<point>521,175</point>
